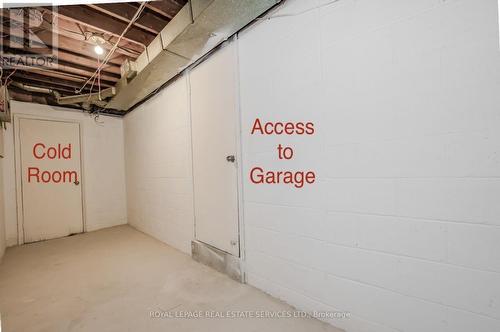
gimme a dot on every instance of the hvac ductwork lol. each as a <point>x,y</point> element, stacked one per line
<point>200,26</point>
<point>82,100</point>
<point>36,89</point>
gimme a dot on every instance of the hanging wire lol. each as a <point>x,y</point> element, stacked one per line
<point>99,82</point>
<point>112,50</point>
<point>6,80</point>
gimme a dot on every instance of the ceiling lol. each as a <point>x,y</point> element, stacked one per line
<point>68,32</point>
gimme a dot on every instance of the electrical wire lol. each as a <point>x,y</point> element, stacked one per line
<point>92,86</point>
<point>112,50</point>
<point>99,84</point>
<point>6,80</point>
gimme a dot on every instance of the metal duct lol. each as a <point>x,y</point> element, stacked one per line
<point>82,100</point>
<point>35,89</point>
<point>200,26</point>
<point>90,98</point>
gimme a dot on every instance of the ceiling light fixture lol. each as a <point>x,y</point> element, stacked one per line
<point>98,50</point>
<point>98,41</point>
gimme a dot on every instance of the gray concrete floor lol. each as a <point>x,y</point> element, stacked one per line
<point>110,280</point>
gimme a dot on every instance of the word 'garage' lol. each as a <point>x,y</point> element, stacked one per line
<point>59,152</point>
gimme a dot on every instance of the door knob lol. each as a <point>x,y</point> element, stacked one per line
<point>231,159</point>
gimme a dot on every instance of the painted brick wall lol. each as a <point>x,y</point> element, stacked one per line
<point>158,167</point>
<point>402,228</point>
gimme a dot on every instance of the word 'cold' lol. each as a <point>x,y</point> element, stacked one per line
<point>40,151</point>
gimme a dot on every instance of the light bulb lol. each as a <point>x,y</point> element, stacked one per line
<point>98,50</point>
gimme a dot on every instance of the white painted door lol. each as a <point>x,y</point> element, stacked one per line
<point>51,179</point>
<point>214,117</point>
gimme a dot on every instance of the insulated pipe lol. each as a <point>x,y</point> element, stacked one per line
<point>86,100</point>
<point>36,89</point>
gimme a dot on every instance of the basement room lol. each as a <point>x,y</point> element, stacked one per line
<point>253,165</point>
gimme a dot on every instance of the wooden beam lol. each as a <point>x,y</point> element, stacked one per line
<point>69,37</point>
<point>126,10</point>
<point>79,80</point>
<point>39,98</point>
<point>166,8</point>
<point>64,71</point>
<point>71,29</point>
<point>62,89</point>
<point>64,66</point>
<point>66,56</point>
<point>88,17</point>
<point>51,81</point>
<point>58,74</point>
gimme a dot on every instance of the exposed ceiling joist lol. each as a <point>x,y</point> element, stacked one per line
<point>73,30</point>
<point>148,21</point>
<point>68,67</point>
<point>88,17</point>
<point>67,57</point>
<point>67,49</point>
<point>52,81</point>
<point>69,33</point>
<point>166,8</point>
<point>31,82</point>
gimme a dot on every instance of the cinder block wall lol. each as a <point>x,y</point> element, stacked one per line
<point>3,242</point>
<point>402,228</point>
<point>158,167</point>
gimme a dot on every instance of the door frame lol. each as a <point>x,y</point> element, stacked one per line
<point>239,158</point>
<point>18,168</point>
<point>231,42</point>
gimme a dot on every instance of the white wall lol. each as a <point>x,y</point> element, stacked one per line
<point>3,242</point>
<point>158,167</point>
<point>103,168</point>
<point>402,228</point>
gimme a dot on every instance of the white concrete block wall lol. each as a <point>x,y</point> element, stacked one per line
<point>103,167</point>
<point>402,228</point>
<point>3,240</point>
<point>158,166</point>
